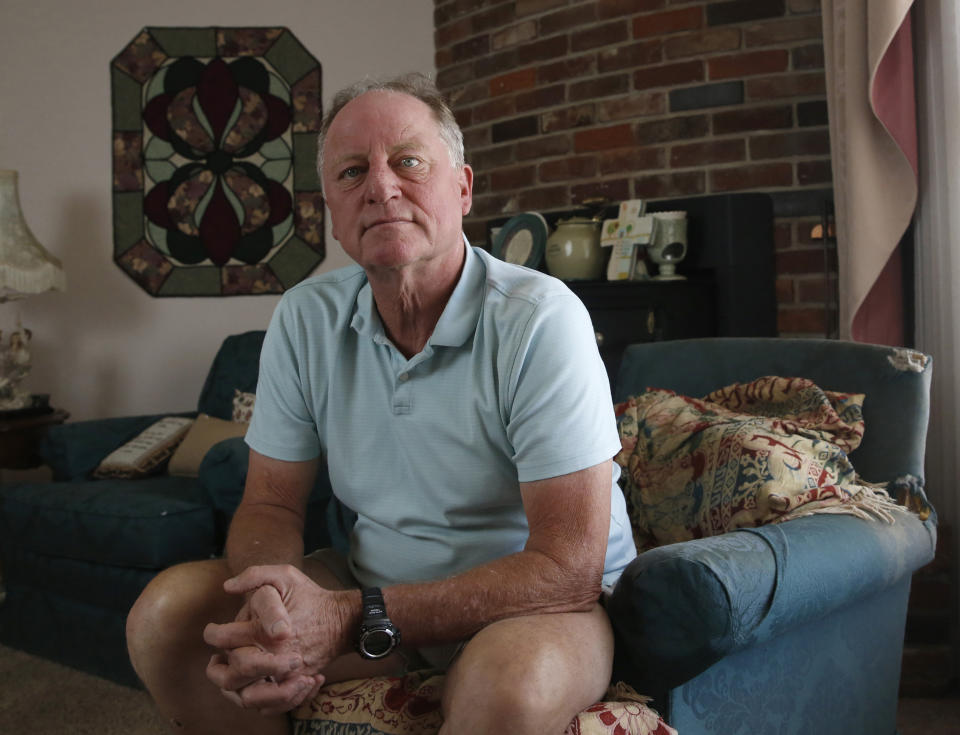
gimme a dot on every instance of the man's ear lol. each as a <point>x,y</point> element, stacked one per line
<point>466,189</point>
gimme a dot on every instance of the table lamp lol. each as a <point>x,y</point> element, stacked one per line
<point>26,268</point>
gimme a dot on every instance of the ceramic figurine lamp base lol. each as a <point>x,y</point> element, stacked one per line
<point>668,244</point>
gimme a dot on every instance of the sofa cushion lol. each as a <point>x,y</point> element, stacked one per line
<point>99,585</point>
<point>749,454</point>
<point>150,523</point>
<point>205,432</point>
<point>410,705</point>
<point>147,452</point>
<point>897,405</point>
<point>73,450</point>
<point>87,637</point>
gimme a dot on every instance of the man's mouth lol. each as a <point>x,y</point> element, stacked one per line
<point>386,221</point>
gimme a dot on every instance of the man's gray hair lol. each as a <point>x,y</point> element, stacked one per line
<point>414,84</point>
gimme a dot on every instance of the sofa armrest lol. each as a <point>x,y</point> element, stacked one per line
<point>680,608</point>
<point>223,476</point>
<point>74,450</point>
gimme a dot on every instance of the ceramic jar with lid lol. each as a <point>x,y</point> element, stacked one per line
<point>573,251</point>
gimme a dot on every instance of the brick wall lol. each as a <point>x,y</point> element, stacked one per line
<point>567,100</point>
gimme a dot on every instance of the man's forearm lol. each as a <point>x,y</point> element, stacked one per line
<point>267,527</point>
<point>444,611</point>
<point>264,534</point>
<point>559,570</point>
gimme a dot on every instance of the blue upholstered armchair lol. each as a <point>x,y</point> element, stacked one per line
<point>790,628</point>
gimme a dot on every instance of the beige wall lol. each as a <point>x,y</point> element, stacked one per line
<point>105,347</point>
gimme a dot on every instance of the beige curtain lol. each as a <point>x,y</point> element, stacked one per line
<point>938,249</point>
<point>870,99</point>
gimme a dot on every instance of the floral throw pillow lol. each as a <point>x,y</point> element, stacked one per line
<point>410,705</point>
<point>407,705</point>
<point>745,455</point>
<point>243,406</point>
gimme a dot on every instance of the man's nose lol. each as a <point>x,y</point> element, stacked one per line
<point>382,184</point>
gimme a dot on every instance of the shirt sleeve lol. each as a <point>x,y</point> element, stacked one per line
<point>560,411</point>
<point>283,426</point>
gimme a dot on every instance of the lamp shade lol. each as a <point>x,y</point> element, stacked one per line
<point>26,267</point>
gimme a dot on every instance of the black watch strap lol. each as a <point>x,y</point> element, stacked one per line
<point>374,608</point>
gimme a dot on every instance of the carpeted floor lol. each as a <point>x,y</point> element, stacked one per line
<point>38,697</point>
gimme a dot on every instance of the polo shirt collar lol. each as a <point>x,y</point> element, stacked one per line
<point>459,318</point>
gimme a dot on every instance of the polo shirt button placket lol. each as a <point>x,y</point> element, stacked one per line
<point>401,394</point>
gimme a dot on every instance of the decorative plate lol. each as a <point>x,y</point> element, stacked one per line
<point>215,189</point>
<point>522,240</point>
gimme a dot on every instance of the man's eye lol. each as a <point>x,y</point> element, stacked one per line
<point>351,172</point>
<point>410,162</point>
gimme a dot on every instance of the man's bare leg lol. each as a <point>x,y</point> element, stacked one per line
<point>529,674</point>
<point>165,640</point>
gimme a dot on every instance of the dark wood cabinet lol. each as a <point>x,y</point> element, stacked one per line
<point>644,311</point>
<point>730,237</point>
<point>730,286</point>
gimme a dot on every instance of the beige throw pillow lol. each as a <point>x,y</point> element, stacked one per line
<point>205,432</point>
<point>147,451</point>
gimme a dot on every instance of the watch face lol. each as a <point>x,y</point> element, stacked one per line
<point>377,643</point>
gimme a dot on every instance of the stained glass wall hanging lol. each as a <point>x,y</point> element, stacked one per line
<point>215,189</point>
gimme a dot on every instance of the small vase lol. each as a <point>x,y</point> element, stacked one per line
<point>573,250</point>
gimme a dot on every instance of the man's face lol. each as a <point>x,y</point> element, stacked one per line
<point>395,197</point>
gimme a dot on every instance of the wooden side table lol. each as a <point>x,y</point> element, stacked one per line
<point>20,436</point>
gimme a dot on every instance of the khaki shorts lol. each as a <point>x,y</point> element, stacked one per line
<point>427,657</point>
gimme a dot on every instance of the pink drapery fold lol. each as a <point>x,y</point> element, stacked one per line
<point>872,109</point>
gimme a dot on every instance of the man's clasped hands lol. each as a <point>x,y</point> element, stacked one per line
<point>269,659</point>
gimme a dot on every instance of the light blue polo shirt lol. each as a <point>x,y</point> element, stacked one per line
<point>430,451</point>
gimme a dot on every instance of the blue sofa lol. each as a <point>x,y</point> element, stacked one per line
<point>76,552</point>
<point>789,628</point>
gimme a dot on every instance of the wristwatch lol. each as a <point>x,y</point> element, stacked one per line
<point>378,635</point>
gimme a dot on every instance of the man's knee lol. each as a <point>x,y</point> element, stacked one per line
<point>173,605</point>
<point>493,693</point>
<point>534,673</point>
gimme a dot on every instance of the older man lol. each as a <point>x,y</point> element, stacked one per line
<point>463,412</point>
